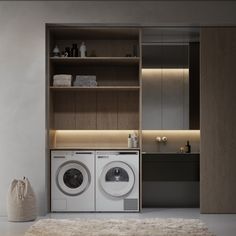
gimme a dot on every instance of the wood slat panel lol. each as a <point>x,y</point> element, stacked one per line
<point>106,110</point>
<point>64,110</point>
<point>86,110</point>
<point>218,116</point>
<point>128,110</point>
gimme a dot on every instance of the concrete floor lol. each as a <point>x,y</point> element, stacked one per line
<point>221,225</point>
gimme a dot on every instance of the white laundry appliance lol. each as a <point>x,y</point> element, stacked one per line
<point>117,181</point>
<point>72,181</point>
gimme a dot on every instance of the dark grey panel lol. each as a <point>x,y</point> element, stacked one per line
<point>131,204</point>
<point>170,194</point>
<point>165,56</point>
<point>170,167</point>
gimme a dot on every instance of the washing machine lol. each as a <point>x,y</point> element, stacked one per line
<point>117,181</point>
<point>72,181</point>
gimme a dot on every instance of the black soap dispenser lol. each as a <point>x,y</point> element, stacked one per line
<point>187,147</point>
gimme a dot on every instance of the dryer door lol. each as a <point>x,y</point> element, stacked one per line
<point>117,179</point>
<point>73,178</point>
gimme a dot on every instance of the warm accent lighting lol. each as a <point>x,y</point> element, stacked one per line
<point>92,138</point>
<point>153,70</point>
<point>172,131</point>
<point>92,131</point>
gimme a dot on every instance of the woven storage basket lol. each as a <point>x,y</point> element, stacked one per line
<point>21,201</point>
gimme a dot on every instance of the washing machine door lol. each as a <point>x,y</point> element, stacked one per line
<point>117,179</point>
<point>73,178</point>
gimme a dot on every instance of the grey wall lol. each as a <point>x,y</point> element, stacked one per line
<point>22,67</point>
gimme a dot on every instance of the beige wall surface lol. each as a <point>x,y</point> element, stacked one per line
<point>22,68</point>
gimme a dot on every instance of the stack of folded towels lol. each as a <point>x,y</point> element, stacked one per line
<point>85,80</point>
<point>62,80</point>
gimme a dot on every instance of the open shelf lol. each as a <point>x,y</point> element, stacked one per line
<point>91,139</point>
<point>95,33</point>
<point>98,88</point>
<point>96,60</point>
<point>94,148</point>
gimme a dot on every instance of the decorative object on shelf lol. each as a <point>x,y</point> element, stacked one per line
<point>74,50</point>
<point>56,51</point>
<point>187,147</point>
<point>62,80</point>
<point>82,50</point>
<point>181,149</point>
<point>93,53</point>
<point>85,81</point>
<point>67,52</point>
<point>21,201</point>
<point>130,141</point>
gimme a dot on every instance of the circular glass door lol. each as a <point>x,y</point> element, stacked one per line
<point>117,179</point>
<point>73,178</point>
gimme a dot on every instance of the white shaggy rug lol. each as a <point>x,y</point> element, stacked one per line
<point>117,227</point>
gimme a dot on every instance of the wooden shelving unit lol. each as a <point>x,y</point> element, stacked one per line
<point>114,104</point>
<point>97,88</point>
<point>96,60</point>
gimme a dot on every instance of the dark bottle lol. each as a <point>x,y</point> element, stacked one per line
<point>187,147</point>
<point>74,50</point>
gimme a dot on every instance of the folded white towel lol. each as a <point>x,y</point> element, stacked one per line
<point>85,77</point>
<point>85,83</point>
<point>62,77</point>
<point>61,83</point>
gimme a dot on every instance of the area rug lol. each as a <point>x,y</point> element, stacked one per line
<point>117,227</point>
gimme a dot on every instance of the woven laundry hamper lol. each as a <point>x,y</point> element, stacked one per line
<point>21,201</point>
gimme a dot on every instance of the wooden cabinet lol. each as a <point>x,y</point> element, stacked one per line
<point>64,110</point>
<point>113,55</point>
<point>85,112</point>
<point>128,110</point>
<point>106,110</point>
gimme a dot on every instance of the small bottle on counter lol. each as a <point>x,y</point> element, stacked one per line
<point>134,138</point>
<point>130,143</point>
<point>187,147</point>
